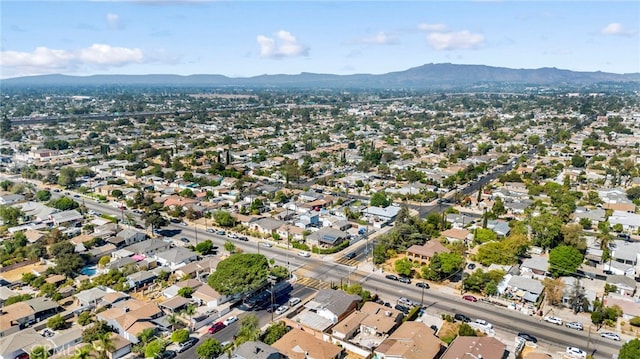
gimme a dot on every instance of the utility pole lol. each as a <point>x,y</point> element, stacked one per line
<point>195,229</point>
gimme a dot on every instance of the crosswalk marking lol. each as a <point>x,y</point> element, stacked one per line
<point>348,262</point>
<point>313,283</point>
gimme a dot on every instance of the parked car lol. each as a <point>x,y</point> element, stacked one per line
<point>422,285</point>
<point>232,235</point>
<point>391,276</point>
<point>184,240</point>
<point>470,298</point>
<point>293,301</point>
<point>232,319</point>
<point>471,266</point>
<point>243,238</point>
<point>577,353</point>
<point>574,325</point>
<point>405,301</point>
<point>528,337</point>
<point>404,280</point>
<point>304,254</point>
<point>610,335</point>
<point>210,230</point>
<point>461,317</point>
<point>266,244</point>
<point>553,320</point>
<point>187,344</point>
<point>281,309</point>
<point>167,354</point>
<point>402,308</point>
<point>221,233</point>
<point>216,327</point>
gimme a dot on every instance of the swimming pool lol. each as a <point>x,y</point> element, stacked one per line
<point>90,271</point>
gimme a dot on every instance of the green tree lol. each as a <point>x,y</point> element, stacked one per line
<point>578,161</point>
<point>67,177</point>
<point>630,350</point>
<point>564,260</point>
<point>154,348</point>
<point>498,208</point>
<point>85,318</point>
<point>465,330</point>
<point>43,196</point>
<point>10,215</point>
<point>443,265</point>
<point>274,332</point>
<point>546,230</point>
<point>84,352</point>
<point>403,267</point>
<point>572,236</point>
<point>379,199</point>
<point>56,322</point>
<point>63,203</point>
<point>204,247</point>
<point>249,329</point>
<point>240,273</point>
<point>229,246</point>
<point>484,235</point>
<point>185,292</point>
<point>180,336</point>
<point>39,352</point>
<point>5,126</point>
<point>210,348</point>
<point>104,261</point>
<point>224,219</point>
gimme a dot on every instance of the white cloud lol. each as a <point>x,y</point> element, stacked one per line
<point>45,60</point>
<point>454,40</point>
<point>432,27</point>
<point>379,39</point>
<point>113,20</point>
<point>616,29</point>
<point>284,45</point>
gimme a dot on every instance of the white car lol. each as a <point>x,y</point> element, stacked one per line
<point>266,244</point>
<point>304,254</point>
<point>574,352</point>
<point>294,300</point>
<point>610,335</point>
<point>574,325</point>
<point>281,309</point>
<point>553,320</point>
<point>232,319</point>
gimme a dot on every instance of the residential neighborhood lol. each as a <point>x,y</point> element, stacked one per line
<point>320,225</point>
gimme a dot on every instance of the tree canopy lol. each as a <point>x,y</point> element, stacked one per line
<point>564,260</point>
<point>630,350</point>
<point>240,273</point>
<point>210,348</point>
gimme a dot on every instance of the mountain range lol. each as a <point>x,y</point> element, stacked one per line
<point>428,76</point>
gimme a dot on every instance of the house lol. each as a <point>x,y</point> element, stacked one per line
<point>630,222</point>
<point>255,350</point>
<point>173,290</point>
<point>475,347</point>
<point>177,257</point>
<point>69,218</point>
<point>148,247</point>
<point>459,220</point>
<point>373,323</point>
<point>30,311</point>
<point>326,237</point>
<point>412,340</point>
<point>11,198</point>
<point>625,285</point>
<point>209,297</point>
<point>267,226</point>
<point>131,317</point>
<point>423,254</point>
<point>456,235</point>
<point>199,268</point>
<point>379,216</point>
<point>174,304</point>
<point>535,267</point>
<point>522,288</point>
<point>120,347</point>
<point>569,289</point>
<point>500,227</point>
<point>19,343</point>
<point>127,237</point>
<point>66,339</point>
<point>89,298</point>
<point>139,279</point>
<point>333,305</point>
<point>298,344</point>
<point>630,308</point>
<point>595,215</point>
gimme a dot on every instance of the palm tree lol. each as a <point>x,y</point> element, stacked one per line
<point>173,320</point>
<point>190,310</point>
<point>104,345</point>
<point>83,352</point>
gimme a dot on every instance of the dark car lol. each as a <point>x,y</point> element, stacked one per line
<point>167,354</point>
<point>404,280</point>
<point>243,238</point>
<point>350,255</point>
<point>391,276</point>
<point>462,318</point>
<point>184,240</point>
<point>402,308</point>
<point>187,344</point>
<point>216,327</point>
<point>528,337</point>
<point>471,266</point>
<point>422,285</point>
<point>272,307</point>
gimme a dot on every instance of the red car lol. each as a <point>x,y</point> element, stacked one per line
<point>216,327</point>
<point>470,298</point>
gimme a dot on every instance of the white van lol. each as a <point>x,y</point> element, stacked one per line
<point>293,301</point>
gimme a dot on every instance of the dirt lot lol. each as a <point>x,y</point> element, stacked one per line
<point>16,274</point>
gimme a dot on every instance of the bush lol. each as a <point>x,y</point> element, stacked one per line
<point>413,314</point>
<point>180,336</point>
<point>635,321</point>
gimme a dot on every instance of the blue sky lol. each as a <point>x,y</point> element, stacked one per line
<point>248,38</point>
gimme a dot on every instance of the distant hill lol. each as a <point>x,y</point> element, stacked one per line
<point>429,76</point>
